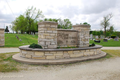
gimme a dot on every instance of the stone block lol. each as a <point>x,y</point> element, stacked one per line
<point>42,43</point>
<point>52,46</point>
<point>79,55</point>
<point>41,25</point>
<point>70,52</point>
<point>49,37</point>
<point>65,52</point>
<point>51,52</point>
<point>50,57</point>
<point>46,34</point>
<point>48,54</point>
<point>48,31</point>
<point>53,43</point>
<point>47,25</point>
<point>66,56</point>
<point>60,53</point>
<point>58,57</point>
<point>54,32</point>
<point>72,55</point>
<point>30,52</point>
<point>24,52</point>
<point>39,53</point>
<point>86,54</point>
<point>36,57</point>
<point>91,53</point>
<point>76,52</point>
<point>28,56</point>
<point>41,31</point>
<point>87,50</point>
<point>55,26</point>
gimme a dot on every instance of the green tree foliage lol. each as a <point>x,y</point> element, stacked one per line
<point>64,24</point>
<point>55,20</point>
<point>28,21</point>
<point>32,15</point>
<point>105,23</point>
<point>111,30</point>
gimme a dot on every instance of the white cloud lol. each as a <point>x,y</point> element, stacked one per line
<point>78,11</point>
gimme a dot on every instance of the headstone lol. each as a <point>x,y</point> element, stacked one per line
<point>96,37</point>
<point>91,36</point>
<point>101,37</point>
<point>116,39</point>
<point>98,41</point>
<point>105,40</point>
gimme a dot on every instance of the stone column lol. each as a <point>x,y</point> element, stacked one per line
<point>47,34</point>
<point>2,40</point>
<point>83,34</point>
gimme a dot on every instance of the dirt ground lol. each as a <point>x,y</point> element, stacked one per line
<point>107,69</point>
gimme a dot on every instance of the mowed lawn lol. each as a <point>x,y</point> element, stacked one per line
<point>12,41</point>
<point>110,43</point>
<point>24,39</point>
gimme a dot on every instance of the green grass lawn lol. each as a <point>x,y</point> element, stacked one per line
<point>110,43</point>
<point>12,41</point>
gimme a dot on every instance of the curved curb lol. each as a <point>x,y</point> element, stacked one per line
<point>69,49</point>
<point>17,58</point>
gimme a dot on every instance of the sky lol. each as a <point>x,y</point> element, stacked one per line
<point>77,11</point>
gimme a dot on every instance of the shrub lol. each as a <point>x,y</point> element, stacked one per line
<point>35,46</point>
<point>91,45</point>
<point>113,36</point>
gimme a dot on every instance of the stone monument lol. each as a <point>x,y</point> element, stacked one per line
<point>2,40</point>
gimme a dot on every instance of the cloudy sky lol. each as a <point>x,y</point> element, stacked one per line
<point>77,11</point>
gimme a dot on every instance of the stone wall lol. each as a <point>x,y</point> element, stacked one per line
<point>67,38</point>
<point>83,34</point>
<point>63,54</point>
<point>2,40</point>
<point>49,37</point>
<point>47,34</point>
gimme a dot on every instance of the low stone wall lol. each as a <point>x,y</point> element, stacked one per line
<point>58,53</point>
<point>67,38</point>
<point>2,40</point>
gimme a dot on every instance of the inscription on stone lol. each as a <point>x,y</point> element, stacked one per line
<point>67,38</point>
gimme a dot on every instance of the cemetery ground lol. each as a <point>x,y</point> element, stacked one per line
<point>16,40</point>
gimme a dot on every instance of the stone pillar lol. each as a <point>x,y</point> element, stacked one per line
<point>47,34</point>
<point>83,34</point>
<point>2,40</point>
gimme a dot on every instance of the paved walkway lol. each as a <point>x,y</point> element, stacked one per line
<point>111,48</point>
<point>5,50</point>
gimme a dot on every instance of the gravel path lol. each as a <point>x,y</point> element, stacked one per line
<point>107,69</point>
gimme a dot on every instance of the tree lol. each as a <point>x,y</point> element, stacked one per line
<point>28,21</point>
<point>20,24</point>
<point>105,23</point>
<point>32,15</point>
<point>6,30</point>
<point>111,30</point>
<point>64,24</point>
